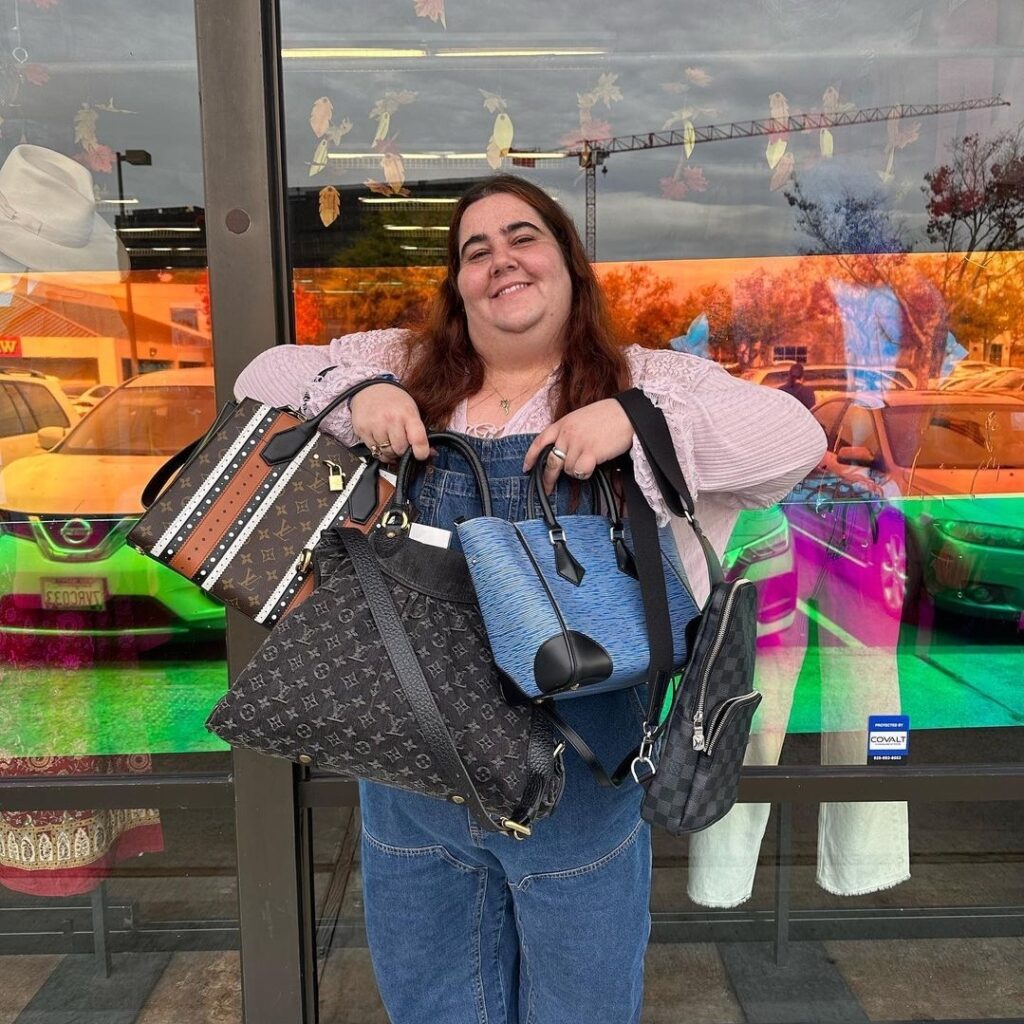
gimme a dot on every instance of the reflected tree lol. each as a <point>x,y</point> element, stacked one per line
<point>975,209</point>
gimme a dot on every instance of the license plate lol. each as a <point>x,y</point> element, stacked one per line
<point>74,593</point>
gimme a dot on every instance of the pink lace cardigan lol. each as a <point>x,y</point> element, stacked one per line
<point>740,445</point>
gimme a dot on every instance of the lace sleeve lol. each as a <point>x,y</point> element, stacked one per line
<point>307,377</point>
<point>747,444</point>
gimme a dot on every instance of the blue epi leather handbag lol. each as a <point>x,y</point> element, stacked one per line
<point>561,598</point>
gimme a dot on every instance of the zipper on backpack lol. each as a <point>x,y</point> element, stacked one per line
<point>698,715</point>
<point>716,727</point>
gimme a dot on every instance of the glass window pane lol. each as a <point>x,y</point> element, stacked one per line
<point>156,887</point>
<point>10,421</point>
<point>45,408</point>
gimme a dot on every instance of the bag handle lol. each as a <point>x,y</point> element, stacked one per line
<point>285,445</point>
<point>409,465</point>
<point>295,439</point>
<point>566,564</point>
<point>447,760</point>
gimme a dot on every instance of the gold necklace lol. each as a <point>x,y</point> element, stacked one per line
<point>506,403</point>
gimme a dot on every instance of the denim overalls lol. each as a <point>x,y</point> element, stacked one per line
<point>469,927</point>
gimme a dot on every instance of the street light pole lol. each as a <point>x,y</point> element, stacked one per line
<point>137,158</point>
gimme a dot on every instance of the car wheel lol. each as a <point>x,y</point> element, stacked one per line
<point>899,571</point>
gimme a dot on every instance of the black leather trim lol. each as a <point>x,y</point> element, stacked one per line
<point>570,659</point>
<point>362,503</point>
<point>566,565</point>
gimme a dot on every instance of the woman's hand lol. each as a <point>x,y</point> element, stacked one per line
<point>586,437</point>
<point>384,417</point>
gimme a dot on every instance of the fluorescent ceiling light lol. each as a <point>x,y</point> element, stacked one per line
<point>405,53</point>
<point>572,51</point>
<point>120,202</point>
<point>415,227</point>
<point>140,231</point>
<point>412,157</point>
<point>351,53</point>
<point>425,201</point>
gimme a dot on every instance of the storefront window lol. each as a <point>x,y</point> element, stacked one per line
<point>109,663</point>
<point>832,186</point>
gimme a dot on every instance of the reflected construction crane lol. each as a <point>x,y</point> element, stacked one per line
<point>594,152</point>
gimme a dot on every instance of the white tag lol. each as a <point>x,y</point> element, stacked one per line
<point>430,535</point>
<point>390,477</point>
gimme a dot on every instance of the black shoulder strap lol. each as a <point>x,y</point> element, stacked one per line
<point>410,676</point>
<point>652,431</point>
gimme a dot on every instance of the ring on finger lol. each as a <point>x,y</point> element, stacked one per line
<point>558,454</point>
<point>375,450</point>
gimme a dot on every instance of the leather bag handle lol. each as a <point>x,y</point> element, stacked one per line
<point>281,448</point>
<point>409,464</point>
<point>285,445</point>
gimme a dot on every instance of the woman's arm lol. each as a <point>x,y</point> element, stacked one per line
<point>307,377</point>
<point>745,443</point>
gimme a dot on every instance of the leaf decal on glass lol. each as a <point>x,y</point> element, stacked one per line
<point>606,91</point>
<point>378,187</point>
<point>689,138</point>
<point>383,127</point>
<point>493,103</point>
<point>825,143</point>
<point>503,132</point>
<point>330,205</point>
<point>394,171</point>
<point>320,116</point>
<point>319,161</point>
<point>774,151</point>
<point>493,155</point>
<point>99,158</point>
<point>698,76</point>
<point>111,109</point>
<point>337,132</point>
<point>432,9</point>
<point>35,73</point>
<point>590,128</point>
<point>783,172</point>
<point>85,127</point>
<point>778,105</point>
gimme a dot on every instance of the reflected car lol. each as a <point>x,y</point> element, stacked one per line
<point>64,516</point>
<point>91,397</point>
<point>34,413</point>
<point>828,379</point>
<point>921,493</point>
<point>1005,378</point>
<point>761,549</point>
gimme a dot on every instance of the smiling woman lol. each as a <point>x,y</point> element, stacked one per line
<point>789,184</point>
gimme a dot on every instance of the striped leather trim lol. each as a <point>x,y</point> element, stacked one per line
<point>211,481</point>
<point>213,574</point>
<point>314,538</point>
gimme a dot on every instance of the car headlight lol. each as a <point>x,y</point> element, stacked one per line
<point>773,543</point>
<point>986,534</point>
<point>15,524</point>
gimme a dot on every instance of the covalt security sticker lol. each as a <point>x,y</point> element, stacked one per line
<point>888,738</point>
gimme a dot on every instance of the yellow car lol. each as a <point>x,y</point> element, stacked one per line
<point>64,515</point>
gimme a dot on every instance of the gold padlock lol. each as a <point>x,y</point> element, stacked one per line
<point>336,478</point>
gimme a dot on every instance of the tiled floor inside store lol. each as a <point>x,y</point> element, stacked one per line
<point>835,981</point>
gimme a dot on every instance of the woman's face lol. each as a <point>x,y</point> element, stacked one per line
<point>512,277</point>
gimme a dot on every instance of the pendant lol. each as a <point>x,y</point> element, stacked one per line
<point>506,405</point>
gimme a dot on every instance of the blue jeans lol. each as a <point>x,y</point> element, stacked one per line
<point>468,927</point>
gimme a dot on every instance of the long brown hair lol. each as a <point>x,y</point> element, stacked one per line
<point>444,368</point>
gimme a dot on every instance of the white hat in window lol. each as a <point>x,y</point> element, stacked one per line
<point>48,218</point>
